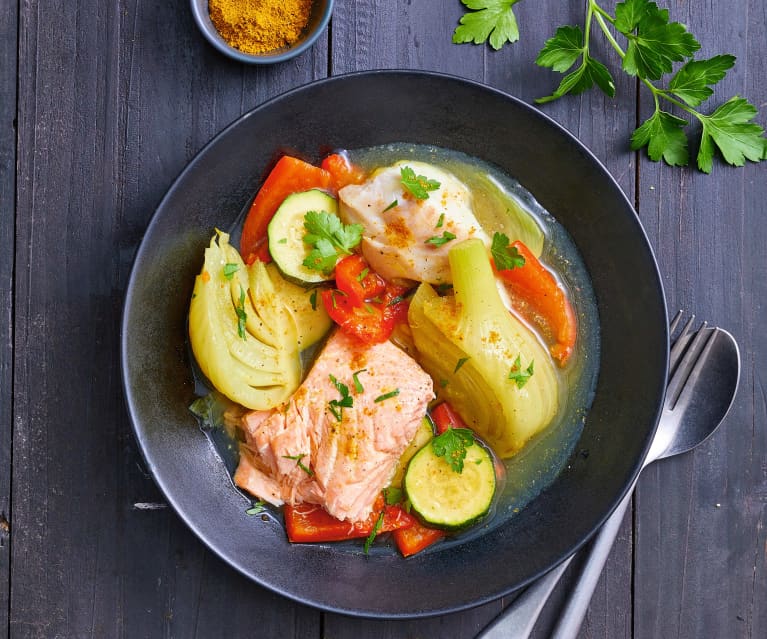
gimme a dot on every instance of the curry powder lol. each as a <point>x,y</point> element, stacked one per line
<point>259,26</point>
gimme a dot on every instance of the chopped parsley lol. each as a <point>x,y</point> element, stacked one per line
<point>363,274</point>
<point>313,299</point>
<point>391,206</point>
<point>230,269</point>
<point>460,363</point>
<point>440,221</point>
<point>452,445</point>
<point>518,375</point>
<point>336,406</point>
<point>385,396</point>
<point>357,383</point>
<point>441,240</point>
<point>373,533</point>
<point>392,495</point>
<point>300,464</point>
<point>505,256</point>
<point>395,300</point>
<point>255,508</point>
<point>418,185</point>
<point>242,317</point>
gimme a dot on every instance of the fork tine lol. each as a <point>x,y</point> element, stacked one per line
<point>690,365</point>
<point>685,393</point>
<point>679,343</point>
<point>675,322</point>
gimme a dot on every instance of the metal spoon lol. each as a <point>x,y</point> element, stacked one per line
<point>709,392</point>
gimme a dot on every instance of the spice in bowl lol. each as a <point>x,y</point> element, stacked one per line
<point>260,26</point>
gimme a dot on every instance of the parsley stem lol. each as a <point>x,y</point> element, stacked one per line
<point>600,11</point>
<point>610,38</point>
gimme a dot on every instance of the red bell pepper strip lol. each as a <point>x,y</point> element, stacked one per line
<point>312,523</point>
<point>444,417</point>
<point>290,175</point>
<point>415,538</point>
<point>538,289</point>
<point>354,277</point>
<point>343,171</point>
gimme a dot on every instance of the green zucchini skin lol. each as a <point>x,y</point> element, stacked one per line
<point>286,235</point>
<point>443,498</point>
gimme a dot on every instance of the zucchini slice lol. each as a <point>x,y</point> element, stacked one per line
<point>444,498</point>
<point>286,234</point>
<point>423,436</point>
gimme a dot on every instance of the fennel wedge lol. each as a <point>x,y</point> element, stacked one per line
<point>243,336</point>
<point>469,344</point>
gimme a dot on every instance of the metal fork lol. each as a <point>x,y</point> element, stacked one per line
<point>688,355</point>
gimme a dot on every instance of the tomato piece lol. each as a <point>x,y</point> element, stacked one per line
<point>365,321</point>
<point>312,523</point>
<point>343,171</point>
<point>290,175</point>
<point>444,417</point>
<point>415,538</point>
<point>354,277</point>
<point>544,302</point>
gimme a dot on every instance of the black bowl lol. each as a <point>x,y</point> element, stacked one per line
<point>362,110</point>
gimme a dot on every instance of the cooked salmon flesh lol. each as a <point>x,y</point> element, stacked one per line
<point>340,453</point>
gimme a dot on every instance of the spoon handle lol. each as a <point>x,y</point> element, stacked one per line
<point>578,602</point>
<point>519,618</point>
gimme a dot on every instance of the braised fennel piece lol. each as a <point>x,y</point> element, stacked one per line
<point>243,336</point>
<point>471,345</point>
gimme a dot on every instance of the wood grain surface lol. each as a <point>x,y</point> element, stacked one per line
<point>103,103</point>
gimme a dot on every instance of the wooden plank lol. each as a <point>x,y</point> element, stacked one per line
<point>113,102</point>
<point>418,35</point>
<point>701,540</point>
<point>8,56</point>
<point>603,125</point>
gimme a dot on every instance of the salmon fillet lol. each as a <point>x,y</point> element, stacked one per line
<point>301,451</point>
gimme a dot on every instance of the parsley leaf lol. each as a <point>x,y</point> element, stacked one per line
<point>336,406</point>
<point>691,83</point>
<point>391,206</point>
<point>418,185</point>
<point>563,50</point>
<point>255,508</point>
<point>300,464</point>
<point>731,130</point>
<point>330,238</point>
<point>504,255</point>
<point>518,375</point>
<point>440,240</point>
<point>452,445</point>
<point>493,19</point>
<point>654,42</point>
<point>230,269</point>
<point>663,135</point>
<point>313,299</point>
<point>590,72</point>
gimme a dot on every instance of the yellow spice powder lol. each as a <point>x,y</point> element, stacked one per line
<point>259,26</point>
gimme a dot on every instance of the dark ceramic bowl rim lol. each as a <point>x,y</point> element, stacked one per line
<point>202,19</point>
<point>654,407</point>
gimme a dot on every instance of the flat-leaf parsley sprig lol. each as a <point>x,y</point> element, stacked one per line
<point>653,45</point>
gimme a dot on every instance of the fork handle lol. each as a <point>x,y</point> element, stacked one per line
<point>519,617</point>
<point>577,603</point>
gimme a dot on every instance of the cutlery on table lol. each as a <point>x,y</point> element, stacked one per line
<point>704,368</point>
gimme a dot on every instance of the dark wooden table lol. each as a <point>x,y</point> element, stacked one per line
<point>103,103</point>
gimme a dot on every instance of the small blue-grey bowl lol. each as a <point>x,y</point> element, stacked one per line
<point>318,20</point>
